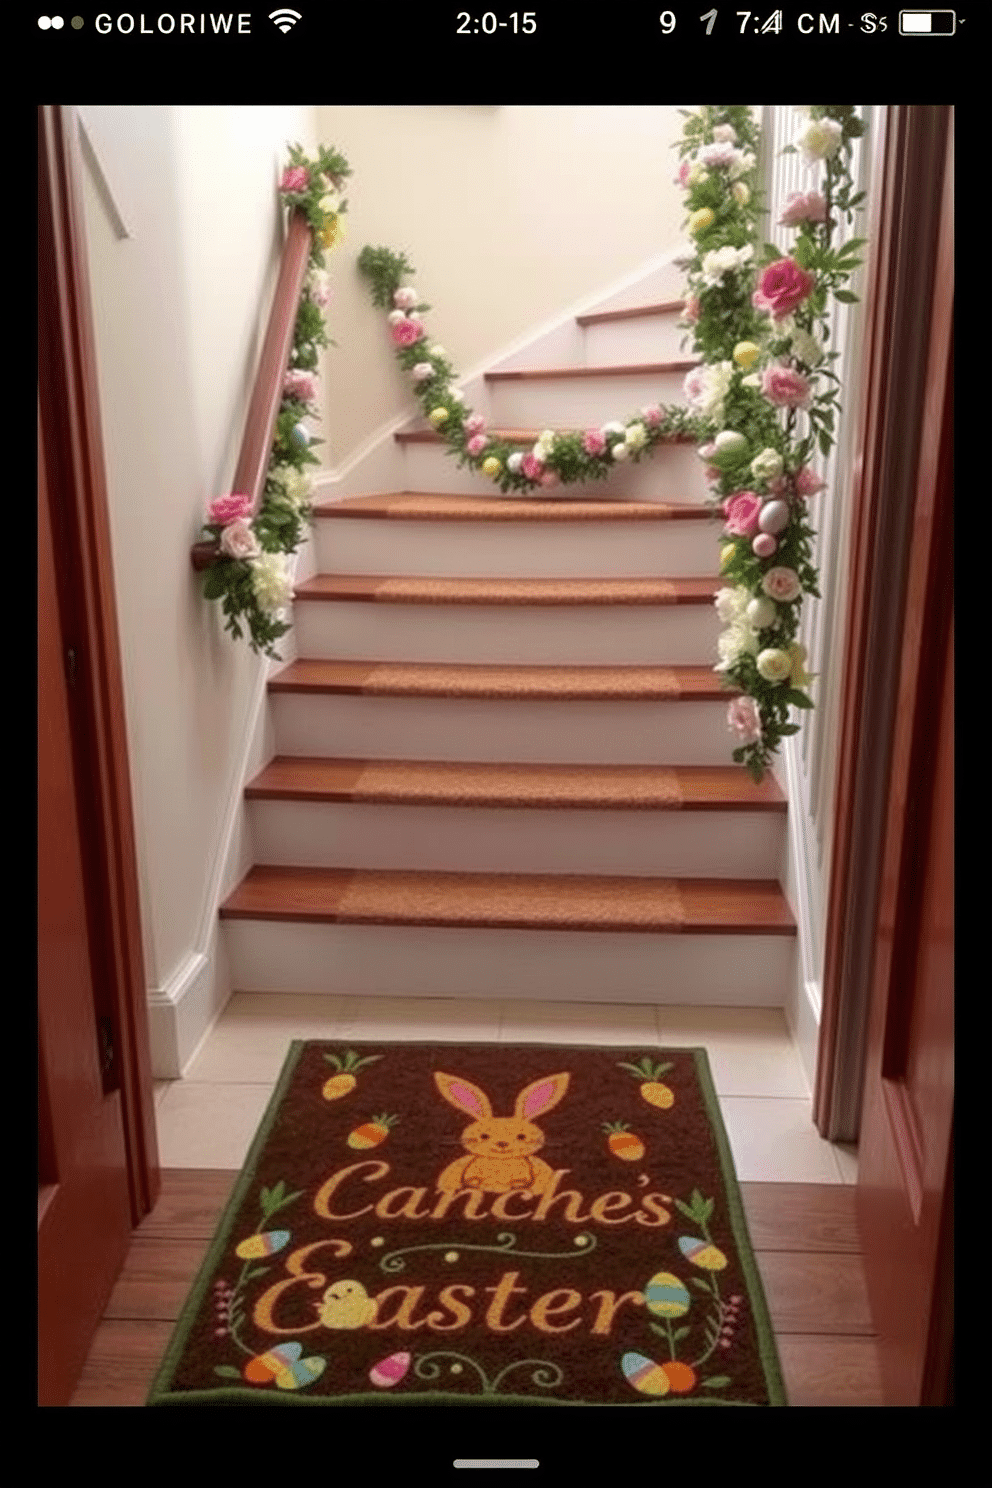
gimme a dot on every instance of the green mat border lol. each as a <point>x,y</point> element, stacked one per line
<point>160,1394</point>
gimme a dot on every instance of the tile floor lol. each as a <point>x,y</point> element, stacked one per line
<point>208,1119</point>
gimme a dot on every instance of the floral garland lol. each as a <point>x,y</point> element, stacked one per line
<point>769,395</point>
<point>251,576</point>
<point>556,458</point>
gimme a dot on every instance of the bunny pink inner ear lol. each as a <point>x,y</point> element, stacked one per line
<point>466,1097</point>
<point>542,1094</point>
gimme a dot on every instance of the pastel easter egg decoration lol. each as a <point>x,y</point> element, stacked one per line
<point>301,1372</point>
<point>389,1372</point>
<point>764,545</point>
<point>264,1368</point>
<point>300,435</point>
<point>262,1245</point>
<point>681,1377</point>
<point>644,1374</point>
<point>666,1296</point>
<point>700,1253</point>
<point>760,612</point>
<point>774,516</point>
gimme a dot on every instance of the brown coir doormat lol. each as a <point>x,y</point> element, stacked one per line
<point>449,1224</point>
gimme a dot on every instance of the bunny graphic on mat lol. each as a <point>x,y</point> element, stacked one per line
<point>500,1148</point>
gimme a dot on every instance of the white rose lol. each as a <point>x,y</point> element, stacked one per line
<point>637,437</point>
<point>697,175</point>
<point>731,604</point>
<point>725,132</point>
<point>741,166</point>
<point>619,452</point>
<point>515,461</point>
<point>422,371</point>
<point>741,193</point>
<point>774,665</point>
<point>271,582</point>
<point>753,379</point>
<point>820,140</point>
<point>437,352</point>
<point>406,298</point>
<point>238,540</point>
<point>767,465</point>
<point>736,641</point>
<point>395,316</point>
<point>613,427</point>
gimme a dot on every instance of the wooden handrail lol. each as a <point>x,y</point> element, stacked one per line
<point>267,393</point>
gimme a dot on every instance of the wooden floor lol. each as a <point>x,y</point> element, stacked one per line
<point>804,1235</point>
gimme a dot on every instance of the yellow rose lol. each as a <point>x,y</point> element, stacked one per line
<point>491,466</point>
<point>437,416</point>
<point>746,354</point>
<point>331,233</point>
<point>701,220</point>
<point>799,677</point>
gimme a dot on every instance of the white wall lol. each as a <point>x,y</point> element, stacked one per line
<point>179,306</point>
<point>509,215</point>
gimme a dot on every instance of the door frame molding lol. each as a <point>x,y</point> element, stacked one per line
<point>898,341</point>
<point>70,429</point>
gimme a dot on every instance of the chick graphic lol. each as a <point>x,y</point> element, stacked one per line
<point>346,1304</point>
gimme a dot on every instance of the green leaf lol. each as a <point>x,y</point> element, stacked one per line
<point>845,296</point>
<point>716,1382</point>
<point>797,699</point>
<point>227,1371</point>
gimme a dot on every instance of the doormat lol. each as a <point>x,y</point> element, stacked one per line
<point>481,1224</point>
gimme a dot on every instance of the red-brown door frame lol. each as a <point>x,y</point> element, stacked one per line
<point>77,495</point>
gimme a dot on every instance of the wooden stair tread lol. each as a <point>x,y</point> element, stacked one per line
<point>510,436</point>
<point>451,783</point>
<point>401,589</point>
<point>449,679</point>
<point>618,369</point>
<point>417,506</point>
<point>512,901</point>
<point>633,312</point>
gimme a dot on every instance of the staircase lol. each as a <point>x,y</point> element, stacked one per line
<point>502,760</point>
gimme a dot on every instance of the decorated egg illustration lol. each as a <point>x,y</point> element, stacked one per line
<point>262,1245</point>
<point>268,1366</point>
<point>389,1372</point>
<point>702,1254</point>
<point>302,1372</point>
<point>644,1374</point>
<point>666,1296</point>
<point>764,545</point>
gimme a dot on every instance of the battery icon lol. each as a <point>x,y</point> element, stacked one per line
<point>927,22</point>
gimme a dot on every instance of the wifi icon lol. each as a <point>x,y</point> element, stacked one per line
<point>285,19</point>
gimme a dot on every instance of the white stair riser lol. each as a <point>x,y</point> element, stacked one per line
<point>649,338</point>
<point>560,965</point>
<point>589,402</point>
<point>638,733</point>
<point>472,839</point>
<point>649,635</point>
<point>681,548</point>
<point>673,474</point>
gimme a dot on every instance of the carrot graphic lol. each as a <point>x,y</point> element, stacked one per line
<point>371,1133</point>
<point>652,1089</point>
<point>343,1082</point>
<point>622,1142</point>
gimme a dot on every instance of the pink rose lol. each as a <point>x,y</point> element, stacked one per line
<point>808,482</point>
<point>474,424</point>
<point>594,442</point>
<point>227,509</point>
<point>406,332</point>
<point>549,478</point>
<point>782,287</point>
<point>477,444</point>
<point>682,178</point>
<point>745,720</point>
<point>294,178</point>
<point>238,540</point>
<point>532,467</point>
<point>652,416</point>
<point>742,510</point>
<point>782,584</point>
<point>809,206</point>
<point>405,298</point>
<point>300,385</point>
<point>785,387</point>
<point>690,309</point>
<point>695,384</point>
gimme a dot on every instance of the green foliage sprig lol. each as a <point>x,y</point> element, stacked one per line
<point>250,577</point>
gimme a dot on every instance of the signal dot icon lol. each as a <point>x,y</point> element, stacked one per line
<point>285,19</point>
